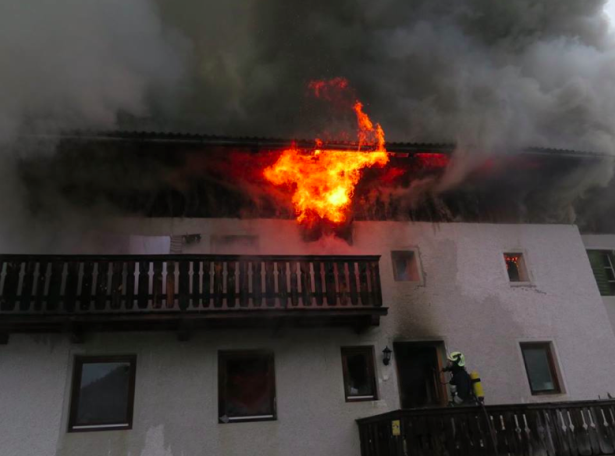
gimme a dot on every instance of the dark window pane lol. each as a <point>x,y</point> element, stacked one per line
<point>103,393</point>
<point>539,369</point>
<point>513,267</point>
<point>248,389</point>
<point>405,266</point>
<point>359,380</point>
<point>603,273</point>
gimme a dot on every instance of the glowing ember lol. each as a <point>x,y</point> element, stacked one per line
<point>323,181</point>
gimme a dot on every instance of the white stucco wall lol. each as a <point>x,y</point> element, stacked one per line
<point>466,301</point>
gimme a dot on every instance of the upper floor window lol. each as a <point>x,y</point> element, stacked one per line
<point>359,375</point>
<point>234,244</point>
<point>540,366</point>
<point>602,262</point>
<point>406,266</point>
<point>516,267</point>
<point>246,386</point>
<point>102,393</point>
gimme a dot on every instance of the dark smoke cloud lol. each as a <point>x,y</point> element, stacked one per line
<point>493,76</point>
<point>76,64</point>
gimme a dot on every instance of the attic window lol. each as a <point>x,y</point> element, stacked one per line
<point>516,268</point>
<point>406,266</point>
<point>234,244</point>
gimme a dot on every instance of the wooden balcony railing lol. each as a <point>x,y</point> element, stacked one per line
<point>553,429</point>
<point>35,289</point>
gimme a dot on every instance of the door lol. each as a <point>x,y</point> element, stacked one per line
<point>418,371</point>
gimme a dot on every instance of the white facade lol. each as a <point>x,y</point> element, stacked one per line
<point>465,300</point>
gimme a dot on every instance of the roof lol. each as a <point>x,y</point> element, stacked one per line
<point>258,143</point>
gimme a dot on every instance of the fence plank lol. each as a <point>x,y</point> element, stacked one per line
<point>184,285</point>
<point>130,285</point>
<point>143,298</point>
<point>231,287</point>
<point>25,299</point>
<point>70,290</point>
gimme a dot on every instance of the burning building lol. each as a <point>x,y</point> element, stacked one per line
<point>187,294</point>
<point>219,308</point>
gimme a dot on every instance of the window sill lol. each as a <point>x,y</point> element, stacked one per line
<point>100,427</point>
<point>361,399</point>
<point>246,419</point>
<point>548,394</point>
<point>523,284</point>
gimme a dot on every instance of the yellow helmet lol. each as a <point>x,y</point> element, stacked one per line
<point>457,358</point>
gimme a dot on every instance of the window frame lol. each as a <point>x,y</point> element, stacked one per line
<point>610,254</point>
<point>369,351</point>
<point>553,367</point>
<point>78,362</point>
<point>223,356</point>
<point>525,268</point>
<point>417,259</point>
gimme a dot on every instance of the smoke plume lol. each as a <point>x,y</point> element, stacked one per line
<point>488,75</point>
<point>491,76</point>
<point>76,64</point>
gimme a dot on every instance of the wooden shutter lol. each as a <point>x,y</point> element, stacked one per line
<point>597,260</point>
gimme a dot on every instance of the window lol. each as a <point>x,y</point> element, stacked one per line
<point>102,393</point>
<point>246,386</point>
<point>234,244</point>
<point>359,378</point>
<point>406,266</point>
<point>602,265</point>
<point>540,368</point>
<point>516,268</point>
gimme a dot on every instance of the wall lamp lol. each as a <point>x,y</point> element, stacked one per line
<point>386,355</point>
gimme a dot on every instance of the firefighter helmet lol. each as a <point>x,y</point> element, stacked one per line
<point>457,358</point>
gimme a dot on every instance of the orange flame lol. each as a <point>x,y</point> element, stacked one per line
<point>324,180</point>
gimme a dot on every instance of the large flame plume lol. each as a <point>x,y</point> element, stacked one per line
<point>323,180</point>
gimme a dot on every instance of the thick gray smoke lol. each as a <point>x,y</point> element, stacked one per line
<point>493,76</point>
<point>76,64</point>
<point>80,63</point>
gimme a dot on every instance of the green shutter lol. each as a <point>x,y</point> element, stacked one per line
<point>597,261</point>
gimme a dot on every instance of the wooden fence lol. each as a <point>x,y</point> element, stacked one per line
<point>554,429</point>
<point>67,284</point>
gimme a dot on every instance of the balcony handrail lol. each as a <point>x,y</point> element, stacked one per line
<point>550,429</point>
<point>461,409</point>
<point>183,283</point>
<point>188,256</point>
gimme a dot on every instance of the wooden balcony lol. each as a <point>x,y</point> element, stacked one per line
<point>41,293</point>
<point>550,429</point>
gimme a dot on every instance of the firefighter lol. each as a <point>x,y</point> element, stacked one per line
<point>461,382</point>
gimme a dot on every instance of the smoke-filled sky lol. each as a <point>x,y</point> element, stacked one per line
<point>496,74</point>
<point>492,76</point>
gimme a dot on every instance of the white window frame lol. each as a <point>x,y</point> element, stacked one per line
<point>419,265</point>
